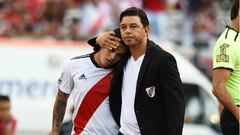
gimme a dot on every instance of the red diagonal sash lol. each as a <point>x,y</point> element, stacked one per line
<point>91,102</point>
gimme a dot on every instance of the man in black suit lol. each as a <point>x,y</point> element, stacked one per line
<point>146,96</point>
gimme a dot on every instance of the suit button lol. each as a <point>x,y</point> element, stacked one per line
<point>137,112</point>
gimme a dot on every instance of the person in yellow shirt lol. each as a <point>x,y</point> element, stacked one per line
<point>226,73</point>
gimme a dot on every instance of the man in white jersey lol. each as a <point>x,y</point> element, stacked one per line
<point>88,79</point>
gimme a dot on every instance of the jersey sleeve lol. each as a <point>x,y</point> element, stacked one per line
<point>223,56</point>
<point>65,81</point>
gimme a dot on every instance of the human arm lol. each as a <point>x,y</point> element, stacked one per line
<point>219,80</point>
<point>65,87</point>
<point>107,39</point>
<point>59,111</point>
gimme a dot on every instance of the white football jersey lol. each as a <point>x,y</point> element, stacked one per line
<point>89,86</point>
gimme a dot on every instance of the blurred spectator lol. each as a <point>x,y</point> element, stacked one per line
<point>54,10</point>
<point>28,26</point>
<point>200,32</point>
<point>73,33</point>
<point>119,6</point>
<point>7,122</point>
<point>4,25</point>
<point>71,21</point>
<point>51,30</point>
<point>35,9</point>
<point>52,16</point>
<point>32,17</point>
<point>155,10</point>
<point>95,18</point>
<point>201,20</point>
<point>174,23</point>
<point>14,17</point>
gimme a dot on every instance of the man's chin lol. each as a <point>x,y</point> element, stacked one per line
<point>129,44</point>
<point>108,66</point>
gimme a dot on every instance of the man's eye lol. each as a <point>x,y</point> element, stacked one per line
<point>133,26</point>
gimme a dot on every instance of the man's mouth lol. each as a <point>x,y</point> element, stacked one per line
<point>128,38</point>
<point>108,61</point>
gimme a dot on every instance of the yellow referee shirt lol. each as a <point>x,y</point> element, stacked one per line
<point>226,54</point>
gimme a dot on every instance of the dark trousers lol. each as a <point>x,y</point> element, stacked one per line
<point>120,133</point>
<point>229,124</point>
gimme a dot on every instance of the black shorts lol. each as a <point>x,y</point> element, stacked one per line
<point>120,133</point>
<point>229,124</point>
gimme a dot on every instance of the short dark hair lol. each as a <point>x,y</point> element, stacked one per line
<point>4,98</point>
<point>235,9</point>
<point>134,11</point>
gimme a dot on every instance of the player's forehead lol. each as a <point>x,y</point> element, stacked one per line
<point>130,20</point>
<point>121,49</point>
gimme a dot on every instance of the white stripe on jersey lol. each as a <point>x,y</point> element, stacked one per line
<point>89,88</point>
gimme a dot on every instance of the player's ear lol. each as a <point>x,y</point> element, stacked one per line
<point>147,29</point>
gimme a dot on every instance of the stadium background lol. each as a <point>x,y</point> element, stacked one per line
<point>191,26</point>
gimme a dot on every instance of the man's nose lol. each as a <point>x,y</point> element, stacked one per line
<point>128,30</point>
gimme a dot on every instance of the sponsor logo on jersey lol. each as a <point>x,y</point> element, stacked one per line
<point>82,77</point>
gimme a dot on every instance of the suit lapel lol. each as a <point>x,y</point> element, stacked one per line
<point>144,65</point>
<point>115,96</point>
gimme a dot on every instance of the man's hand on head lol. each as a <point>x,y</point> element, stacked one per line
<point>108,40</point>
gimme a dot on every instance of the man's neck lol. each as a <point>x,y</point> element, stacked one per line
<point>96,58</point>
<point>138,50</point>
<point>235,24</point>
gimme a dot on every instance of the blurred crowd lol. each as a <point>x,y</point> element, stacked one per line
<point>81,19</point>
<point>187,23</point>
<point>59,19</point>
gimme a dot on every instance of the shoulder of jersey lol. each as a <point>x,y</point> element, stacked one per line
<point>81,56</point>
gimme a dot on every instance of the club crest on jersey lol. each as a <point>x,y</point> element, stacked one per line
<point>223,57</point>
<point>82,77</point>
<point>150,91</point>
<point>60,79</point>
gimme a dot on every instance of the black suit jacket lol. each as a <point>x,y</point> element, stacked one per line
<point>162,114</point>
